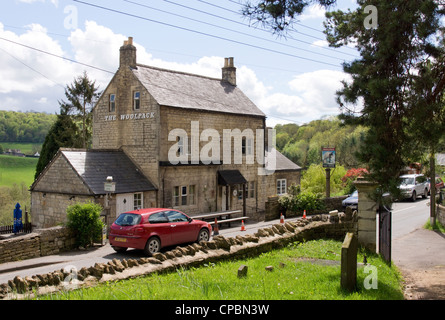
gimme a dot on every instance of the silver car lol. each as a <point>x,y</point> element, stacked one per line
<point>413,185</point>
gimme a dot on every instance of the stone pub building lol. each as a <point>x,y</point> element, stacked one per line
<point>168,139</point>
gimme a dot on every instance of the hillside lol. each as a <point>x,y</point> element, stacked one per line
<point>29,127</point>
<point>302,144</point>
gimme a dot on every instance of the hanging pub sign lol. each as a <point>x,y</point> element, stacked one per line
<point>328,157</point>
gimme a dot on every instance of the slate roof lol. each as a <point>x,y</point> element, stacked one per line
<point>282,163</point>
<point>184,90</point>
<point>94,166</point>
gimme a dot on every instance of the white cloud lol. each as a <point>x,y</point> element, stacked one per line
<point>308,96</point>
<point>313,12</point>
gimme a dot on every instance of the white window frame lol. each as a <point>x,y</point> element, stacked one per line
<point>138,200</point>
<point>281,186</point>
<point>112,102</point>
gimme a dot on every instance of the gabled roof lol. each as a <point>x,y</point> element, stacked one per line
<point>184,90</point>
<point>94,166</point>
<point>282,163</point>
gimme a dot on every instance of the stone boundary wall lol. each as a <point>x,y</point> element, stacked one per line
<point>440,214</point>
<point>41,242</point>
<point>217,249</point>
<point>273,207</point>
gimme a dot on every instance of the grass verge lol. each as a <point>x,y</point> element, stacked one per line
<point>307,271</point>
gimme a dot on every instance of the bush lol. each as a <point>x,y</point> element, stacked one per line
<point>84,220</point>
<point>297,201</point>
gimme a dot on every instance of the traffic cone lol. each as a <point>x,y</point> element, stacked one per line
<point>242,226</point>
<point>281,218</point>
<point>215,228</point>
<point>304,214</point>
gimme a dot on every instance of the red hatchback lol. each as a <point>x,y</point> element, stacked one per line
<point>155,228</point>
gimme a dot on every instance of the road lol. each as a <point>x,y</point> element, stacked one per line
<point>407,217</point>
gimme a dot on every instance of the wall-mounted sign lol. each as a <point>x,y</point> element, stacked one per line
<point>130,116</point>
<point>328,157</point>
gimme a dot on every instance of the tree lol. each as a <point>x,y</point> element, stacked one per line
<point>278,15</point>
<point>61,134</point>
<point>391,80</point>
<point>81,95</point>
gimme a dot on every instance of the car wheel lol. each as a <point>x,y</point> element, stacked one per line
<point>414,197</point>
<point>119,249</point>
<point>203,235</point>
<point>425,194</point>
<point>152,246</point>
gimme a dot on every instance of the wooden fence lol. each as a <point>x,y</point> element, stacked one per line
<point>27,228</point>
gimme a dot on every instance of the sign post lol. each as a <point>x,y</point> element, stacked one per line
<point>328,160</point>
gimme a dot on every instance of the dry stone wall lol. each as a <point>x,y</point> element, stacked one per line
<point>217,249</point>
<point>41,242</point>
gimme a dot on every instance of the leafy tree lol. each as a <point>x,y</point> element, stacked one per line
<point>81,95</point>
<point>391,80</point>
<point>61,134</point>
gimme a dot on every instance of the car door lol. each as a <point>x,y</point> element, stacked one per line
<point>158,225</point>
<point>182,229</point>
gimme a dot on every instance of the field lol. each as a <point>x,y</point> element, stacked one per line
<point>17,170</point>
<point>301,271</point>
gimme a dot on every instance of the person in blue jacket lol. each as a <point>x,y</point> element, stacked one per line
<point>18,225</point>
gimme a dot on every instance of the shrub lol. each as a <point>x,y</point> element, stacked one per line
<point>297,201</point>
<point>84,220</point>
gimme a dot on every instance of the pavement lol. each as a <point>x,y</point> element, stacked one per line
<point>419,255</point>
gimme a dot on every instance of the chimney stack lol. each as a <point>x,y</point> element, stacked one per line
<point>128,54</point>
<point>229,71</point>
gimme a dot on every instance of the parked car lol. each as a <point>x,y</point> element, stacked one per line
<point>351,201</point>
<point>439,184</point>
<point>413,185</point>
<point>154,228</point>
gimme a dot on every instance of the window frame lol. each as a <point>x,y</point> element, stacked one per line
<point>136,100</point>
<point>281,184</point>
<point>112,102</point>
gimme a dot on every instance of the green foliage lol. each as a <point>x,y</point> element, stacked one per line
<point>302,144</point>
<point>9,196</point>
<point>296,201</point>
<point>84,220</point>
<point>398,82</point>
<point>24,126</point>
<point>314,179</point>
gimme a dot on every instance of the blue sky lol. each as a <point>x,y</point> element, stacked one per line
<point>291,79</point>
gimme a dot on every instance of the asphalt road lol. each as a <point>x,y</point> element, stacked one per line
<point>407,218</point>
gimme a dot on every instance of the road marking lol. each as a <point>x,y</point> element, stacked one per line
<point>404,209</point>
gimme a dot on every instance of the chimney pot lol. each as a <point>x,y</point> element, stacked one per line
<point>128,54</point>
<point>229,71</point>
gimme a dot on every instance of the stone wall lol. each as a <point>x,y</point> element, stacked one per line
<point>273,207</point>
<point>41,242</point>
<point>440,214</point>
<point>217,249</point>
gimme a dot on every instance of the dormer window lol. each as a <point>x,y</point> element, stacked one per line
<point>112,103</point>
<point>136,100</point>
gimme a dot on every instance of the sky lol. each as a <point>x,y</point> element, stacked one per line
<point>46,44</point>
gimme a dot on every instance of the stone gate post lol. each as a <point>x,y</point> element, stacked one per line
<point>366,222</point>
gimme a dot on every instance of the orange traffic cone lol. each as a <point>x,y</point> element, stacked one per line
<point>281,218</point>
<point>215,228</point>
<point>304,214</point>
<point>242,226</point>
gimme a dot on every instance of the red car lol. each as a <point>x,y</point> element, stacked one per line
<point>155,228</point>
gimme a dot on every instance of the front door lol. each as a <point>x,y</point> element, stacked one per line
<point>124,203</point>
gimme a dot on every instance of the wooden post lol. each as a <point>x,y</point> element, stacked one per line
<point>328,182</point>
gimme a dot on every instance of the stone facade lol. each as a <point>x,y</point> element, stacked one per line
<point>149,114</point>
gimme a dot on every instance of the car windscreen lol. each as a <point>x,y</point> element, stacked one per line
<point>406,181</point>
<point>128,219</point>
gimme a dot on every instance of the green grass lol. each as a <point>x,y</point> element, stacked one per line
<point>17,170</point>
<point>299,279</point>
<point>24,147</point>
<point>438,227</point>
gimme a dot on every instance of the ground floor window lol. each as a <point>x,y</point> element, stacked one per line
<point>250,190</point>
<point>281,186</point>
<point>184,195</point>
<point>138,202</point>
